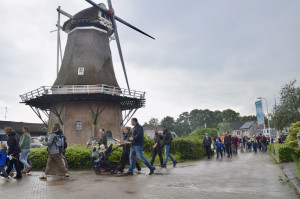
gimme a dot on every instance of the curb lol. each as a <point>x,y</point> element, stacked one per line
<point>289,175</point>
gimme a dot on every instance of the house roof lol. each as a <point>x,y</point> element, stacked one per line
<point>247,125</point>
<point>17,126</point>
<point>236,125</point>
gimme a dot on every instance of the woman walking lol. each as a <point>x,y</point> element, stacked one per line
<point>55,163</point>
<point>25,142</point>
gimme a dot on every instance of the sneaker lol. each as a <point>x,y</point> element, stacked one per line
<point>174,164</point>
<point>28,169</point>
<point>139,169</point>
<point>12,173</point>
<point>164,166</point>
<point>23,172</point>
<point>43,178</point>
<point>120,170</point>
<point>67,176</point>
<point>18,177</point>
<point>152,171</point>
<point>128,173</point>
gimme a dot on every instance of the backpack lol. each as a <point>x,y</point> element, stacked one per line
<point>59,141</point>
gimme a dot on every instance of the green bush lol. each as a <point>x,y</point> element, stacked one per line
<point>283,152</point>
<point>78,157</point>
<point>188,148</point>
<point>201,132</point>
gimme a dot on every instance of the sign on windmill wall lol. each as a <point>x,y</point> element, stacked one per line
<point>80,71</point>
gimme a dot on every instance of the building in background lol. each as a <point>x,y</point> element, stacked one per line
<point>248,128</point>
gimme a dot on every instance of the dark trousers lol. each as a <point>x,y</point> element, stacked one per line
<point>208,151</point>
<point>2,170</point>
<point>259,145</point>
<point>235,148</point>
<point>125,160</point>
<point>156,151</point>
<point>14,161</point>
<point>255,149</point>
<point>228,149</point>
<point>219,152</point>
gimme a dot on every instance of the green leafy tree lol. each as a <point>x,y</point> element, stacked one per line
<point>247,118</point>
<point>223,127</point>
<point>229,115</point>
<point>168,122</point>
<point>289,109</point>
<point>182,126</point>
<point>154,122</point>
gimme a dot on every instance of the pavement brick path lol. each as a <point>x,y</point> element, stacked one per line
<point>246,175</point>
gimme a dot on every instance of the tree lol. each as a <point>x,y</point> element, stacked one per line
<point>247,118</point>
<point>182,126</point>
<point>289,109</point>
<point>168,122</point>
<point>229,115</point>
<point>154,122</point>
<point>223,127</point>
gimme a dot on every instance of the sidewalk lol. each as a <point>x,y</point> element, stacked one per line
<point>290,170</point>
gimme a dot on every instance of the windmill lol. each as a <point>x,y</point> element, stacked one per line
<point>86,95</point>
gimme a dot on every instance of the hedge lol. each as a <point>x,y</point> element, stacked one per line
<point>78,156</point>
<point>283,152</point>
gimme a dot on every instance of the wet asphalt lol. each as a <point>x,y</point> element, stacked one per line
<point>246,175</point>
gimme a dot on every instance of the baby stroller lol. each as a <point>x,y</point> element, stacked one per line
<point>104,164</point>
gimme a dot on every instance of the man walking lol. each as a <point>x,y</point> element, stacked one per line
<point>157,149</point>
<point>228,142</point>
<point>207,145</point>
<point>167,140</point>
<point>137,147</point>
<point>103,138</point>
<point>264,143</point>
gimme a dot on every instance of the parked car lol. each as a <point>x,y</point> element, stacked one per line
<point>35,143</point>
<point>3,137</point>
<point>110,140</point>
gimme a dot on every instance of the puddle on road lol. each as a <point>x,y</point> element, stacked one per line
<point>182,185</point>
<point>161,174</point>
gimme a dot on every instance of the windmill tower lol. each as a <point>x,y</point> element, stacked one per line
<point>86,95</point>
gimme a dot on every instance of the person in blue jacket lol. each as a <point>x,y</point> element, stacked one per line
<point>136,149</point>
<point>255,145</point>
<point>219,147</point>
<point>3,156</point>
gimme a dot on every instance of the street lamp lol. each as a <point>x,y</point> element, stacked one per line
<point>260,98</point>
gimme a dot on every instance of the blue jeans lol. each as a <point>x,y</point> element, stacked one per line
<point>137,151</point>
<point>3,172</point>
<point>24,156</point>
<point>167,154</point>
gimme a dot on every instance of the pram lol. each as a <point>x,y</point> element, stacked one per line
<point>104,164</point>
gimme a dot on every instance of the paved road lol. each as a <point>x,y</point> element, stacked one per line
<point>244,176</point>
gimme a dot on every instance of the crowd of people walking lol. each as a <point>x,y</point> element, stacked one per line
<point>230,145</point>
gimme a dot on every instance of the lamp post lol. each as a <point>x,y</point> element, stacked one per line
<point>260,98</point>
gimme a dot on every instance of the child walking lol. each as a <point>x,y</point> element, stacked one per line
<point>3,156</point>
<point>219,147</point>
<point>255,146</point>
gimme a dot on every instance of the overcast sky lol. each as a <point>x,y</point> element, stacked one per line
<point>215,54</point>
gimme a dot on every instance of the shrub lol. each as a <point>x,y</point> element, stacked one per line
<point>188,148</point>
<point>201,132</point>
<point>283,152</point>
<point>78,157</point>
<point>38,157</point>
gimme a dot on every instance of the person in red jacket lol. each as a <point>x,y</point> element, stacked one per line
<point>235,142</point>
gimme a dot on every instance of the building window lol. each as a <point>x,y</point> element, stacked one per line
<point>78,126</point>
<point>237,132</point>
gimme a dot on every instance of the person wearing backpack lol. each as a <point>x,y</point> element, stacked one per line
<point>166,144</point>
<point>61,142</point>
<point>55,163</point>
<point>14,151</point>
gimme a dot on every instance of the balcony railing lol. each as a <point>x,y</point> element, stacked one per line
<point>82,89</point>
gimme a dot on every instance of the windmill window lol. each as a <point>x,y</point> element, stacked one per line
<point>78,126</point>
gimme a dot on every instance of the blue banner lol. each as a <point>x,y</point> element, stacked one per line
<point>259,112</point>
